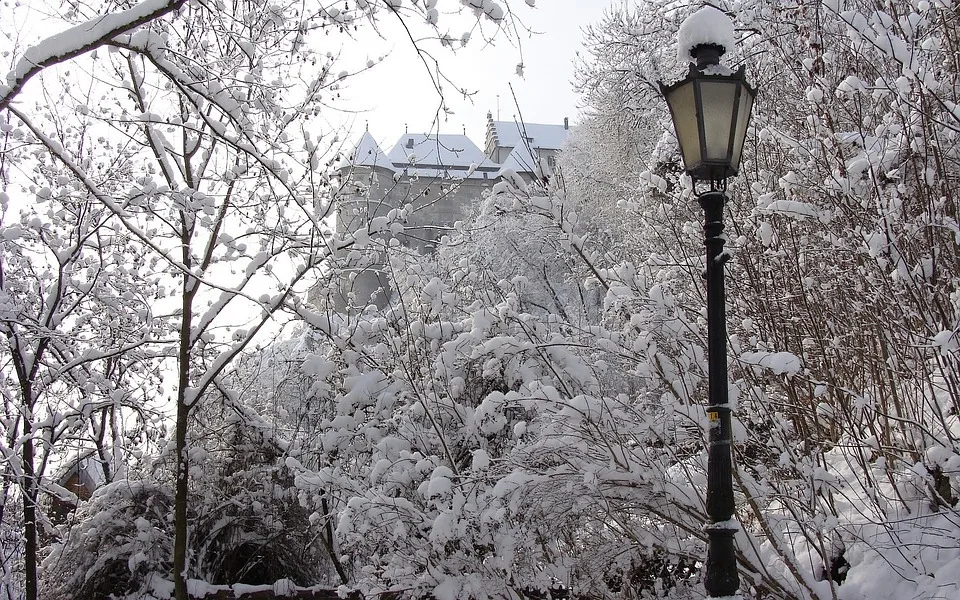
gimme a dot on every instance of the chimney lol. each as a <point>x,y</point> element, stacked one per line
<point>566,122</point>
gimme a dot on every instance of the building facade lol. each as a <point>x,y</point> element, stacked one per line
<point>426,183</point>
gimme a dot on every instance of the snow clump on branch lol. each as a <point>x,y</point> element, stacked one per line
<point>488,7</point>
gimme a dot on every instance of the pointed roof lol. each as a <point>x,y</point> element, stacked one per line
<point>88,469</point>
<point>367,154</point>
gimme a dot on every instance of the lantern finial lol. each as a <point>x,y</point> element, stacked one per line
<point>707,55</point>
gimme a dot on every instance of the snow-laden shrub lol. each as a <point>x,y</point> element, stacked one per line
<point>120,546</point>
<point>247,523</point>
<point>252,530</point>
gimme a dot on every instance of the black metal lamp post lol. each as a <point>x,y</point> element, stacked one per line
<point>711,109</point>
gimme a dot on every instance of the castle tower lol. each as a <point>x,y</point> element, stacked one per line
<point>423,186</point>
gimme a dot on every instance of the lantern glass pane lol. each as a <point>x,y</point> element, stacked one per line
<point>717,98</point>
<point>743,120</point>
<point>684,110</point>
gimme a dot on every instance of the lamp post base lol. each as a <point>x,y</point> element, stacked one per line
<point>721,579</point>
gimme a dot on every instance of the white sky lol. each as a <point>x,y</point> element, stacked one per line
<point>398,93</point>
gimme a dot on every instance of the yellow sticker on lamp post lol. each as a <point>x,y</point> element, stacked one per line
<point>713,416</point>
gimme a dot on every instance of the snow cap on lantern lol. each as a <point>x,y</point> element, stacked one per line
<point>711,106</point>
<point>707,26</point>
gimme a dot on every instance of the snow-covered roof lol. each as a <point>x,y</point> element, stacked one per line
<point>436,150</point>
<point>509,134</point>
<point>454,156</point>
<point>522,161</point>
<point>706,26</point>
<point>444,156</point>
<point>89,472</point>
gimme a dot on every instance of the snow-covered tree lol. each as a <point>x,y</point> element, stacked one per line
<point>843,284</point>
<point>75,335</point>
<point>843,327</point>
<point>196,130</point>
<point>526,413</point>
<point>495,431</point>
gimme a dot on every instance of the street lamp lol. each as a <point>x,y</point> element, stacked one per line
<point>711,110</point>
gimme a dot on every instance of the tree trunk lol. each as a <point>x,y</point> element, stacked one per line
<point>184,404</point>
<point>29,511</point>
<point>180,504</point>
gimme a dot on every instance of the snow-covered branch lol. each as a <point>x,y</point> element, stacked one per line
<point>79,40</point>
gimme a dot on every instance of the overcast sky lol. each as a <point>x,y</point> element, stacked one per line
<point>398,93</point>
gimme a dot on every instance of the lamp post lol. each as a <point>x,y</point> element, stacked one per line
<point>711,109</point>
